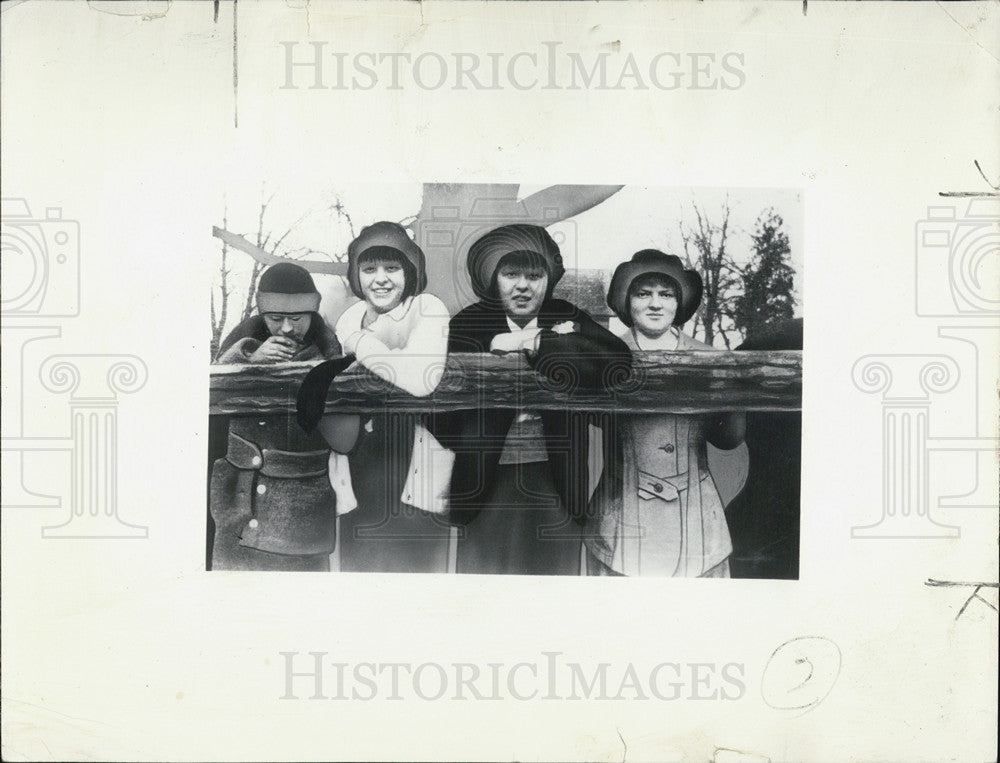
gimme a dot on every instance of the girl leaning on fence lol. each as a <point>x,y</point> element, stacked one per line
<point>389,473</point>
<point>270,496</point>
<point>519,486</point>
<point>656,509</point>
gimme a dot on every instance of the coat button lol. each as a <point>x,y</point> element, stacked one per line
<point>261,490</point>
<point>669,448</point>
<point>262,423</point>
<point>657,487</point>
<point>255,461</point>
<point>253,524</point>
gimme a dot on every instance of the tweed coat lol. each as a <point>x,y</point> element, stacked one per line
<point>270,497</point>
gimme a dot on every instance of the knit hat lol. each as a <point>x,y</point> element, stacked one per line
<point>386,235</point>
<point>287,288</point>
<point>653,261</point>
<point>485,254</point>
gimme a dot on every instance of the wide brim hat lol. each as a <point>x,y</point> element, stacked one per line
<point>654,261</point>
<point>485,254</point>
<point>391,236</point>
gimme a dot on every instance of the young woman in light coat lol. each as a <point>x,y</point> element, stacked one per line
<point>656,509</point>
<point>389,473</point>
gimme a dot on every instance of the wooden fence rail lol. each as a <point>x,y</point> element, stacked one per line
<point>675,382</point>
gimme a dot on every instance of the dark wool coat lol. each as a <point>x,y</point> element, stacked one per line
<point>270,497</point>
<point>319,341</point>
<point>589,357</point>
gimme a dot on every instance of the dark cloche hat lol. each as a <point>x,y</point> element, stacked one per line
<point>654,261</point>
<point>485,254</point>
<point>287,288</point>
<point>391,236</point>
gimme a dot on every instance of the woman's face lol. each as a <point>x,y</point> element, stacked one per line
<point>652,305</point>
<point>521,290</point>
<point>383,283</point>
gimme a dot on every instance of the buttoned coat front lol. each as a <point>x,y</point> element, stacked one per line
<point>270,497</point>
<point>666,519</point>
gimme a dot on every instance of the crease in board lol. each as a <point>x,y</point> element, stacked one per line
<point>732,755</point>
<point>302,5</point>
<point>8,4</point>
<point>114,8</point>
<point>236,72</point>
<point>965,29</point>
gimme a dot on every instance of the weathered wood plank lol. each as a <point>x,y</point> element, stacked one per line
<point>687,382</point>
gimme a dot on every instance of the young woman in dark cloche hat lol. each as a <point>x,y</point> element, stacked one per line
<point>520,481</point>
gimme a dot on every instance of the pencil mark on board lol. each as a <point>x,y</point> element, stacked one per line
<point>801,673</point>
<point>976,595</point>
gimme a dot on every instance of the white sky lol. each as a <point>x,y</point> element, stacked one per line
<point>635,218</point>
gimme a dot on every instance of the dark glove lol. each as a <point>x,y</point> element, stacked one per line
<point>310,403</point>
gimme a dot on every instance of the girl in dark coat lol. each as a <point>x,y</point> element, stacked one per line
<point>520,477</point>
<point>270,497</point>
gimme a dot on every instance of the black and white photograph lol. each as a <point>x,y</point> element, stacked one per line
<point>645,456</point>
<point>467,380</point>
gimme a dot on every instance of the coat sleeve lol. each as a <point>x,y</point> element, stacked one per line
<point>239,351</point>
<point>416,368</point>
<point>326,342</point>
<point>590,356</point>
<point>235,348</point>
<point>467,331</point>
<point>724,430</point>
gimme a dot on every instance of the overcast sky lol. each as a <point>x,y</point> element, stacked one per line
<point>635,218</point>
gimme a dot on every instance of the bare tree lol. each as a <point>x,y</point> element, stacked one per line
<point>258,266</point>
<point>445,264</point>
<point>219,321</point>
<point>705,251</point>
<point>266,250</point>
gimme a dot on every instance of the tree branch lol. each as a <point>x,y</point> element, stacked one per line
<point>265,258</point>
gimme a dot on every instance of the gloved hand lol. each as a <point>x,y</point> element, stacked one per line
<point>311,399</point>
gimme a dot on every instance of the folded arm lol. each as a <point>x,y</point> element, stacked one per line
<point>598,357</point>
<point>416,368</point>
